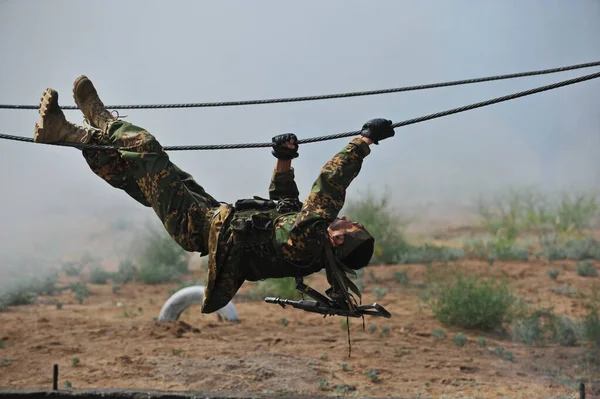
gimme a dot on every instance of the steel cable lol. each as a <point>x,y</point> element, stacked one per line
<point>331,96</point>
<point>340,135</point>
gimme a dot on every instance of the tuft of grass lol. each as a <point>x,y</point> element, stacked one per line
<point>481,341</point>
<point>379,292</point>
<point>176,351</point>
<point>565,289</point>
<point>372,328</point>
<point>116,289</point>
<point>323,385</point>
<point>473,303</point>
<point>284,321</point>
<point>1,344</point>
<point>439,334</point>
<point>460,339</point>
<point>373,375</point>
<point>401,277</point>
<point>75,362</point>
<point>59,305</point>
<point>324,356</point>
<point>344,366</point>
<point>384,332</point>
<point>586,269</point>
<point>553,274</point>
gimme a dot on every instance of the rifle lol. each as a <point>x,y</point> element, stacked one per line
<point>327,306</point>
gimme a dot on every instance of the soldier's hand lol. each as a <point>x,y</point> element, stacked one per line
<point>378,129</point>
<point>285,146</point>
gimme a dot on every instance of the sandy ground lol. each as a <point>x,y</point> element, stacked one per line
<point>119,345</point>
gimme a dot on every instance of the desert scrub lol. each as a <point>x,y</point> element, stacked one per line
<point>126,272</point>
<point>71,268</point>
<point>481,341</point>
<point>591,325</point>
<point>586,269</point>
<point>373,374</point>
<point>473,303</point>
<point>553,274</point>
<point>565,289</point>
<point>375,213</point>
<point>323,385</point>
<point>98,275</point>
<point>439,334</point>
<point>379,292</point>
<point>278,287</point>
<point>528,330</point>
<point>460,339</point>
<point>401,277</point>
<point>428,253</point>
<point>160,258</point>
<point>566,332</point>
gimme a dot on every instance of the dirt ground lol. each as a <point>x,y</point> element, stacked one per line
<point>119,345</point>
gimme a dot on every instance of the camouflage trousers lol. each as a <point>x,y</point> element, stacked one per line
<point>142,169</point>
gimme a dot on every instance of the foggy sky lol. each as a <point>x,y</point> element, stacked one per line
<point>141,52</point>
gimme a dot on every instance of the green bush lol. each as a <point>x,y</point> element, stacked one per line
<point>566,332</point>
<point>71,268</point>
<point>497,249</point>
<point>528,330</point>
<point>98,275</point>
<point>591,325</point>
<point>24,290</point>
<point>380,220</point>
<point>460,339</point>
<point>428,253</point>
<point>153,273</point>
<point>401,277</point>
<point>586,269</point>
<point>473,303</point>
<point>126,273</point>
<point>573,213</point>
<point>553,274</point>
<point>160,259</point>
<point>277,287</point>
<point>571,249</point>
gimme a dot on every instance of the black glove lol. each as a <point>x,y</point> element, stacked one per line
<point>378,129</point>
<point>280,151</point>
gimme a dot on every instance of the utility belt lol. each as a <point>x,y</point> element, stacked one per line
<point>252,223</point>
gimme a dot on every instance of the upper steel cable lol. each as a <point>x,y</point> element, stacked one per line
<point>339,135</point>
<point>331,96</point>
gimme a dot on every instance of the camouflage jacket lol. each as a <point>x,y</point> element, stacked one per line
<point>282,241</point>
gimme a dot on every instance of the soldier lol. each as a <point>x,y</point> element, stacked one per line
<point>253,239</point>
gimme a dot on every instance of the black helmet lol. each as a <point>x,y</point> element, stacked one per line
<point>357,249</point>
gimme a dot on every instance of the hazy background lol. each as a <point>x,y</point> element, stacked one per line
<point>141,52</point>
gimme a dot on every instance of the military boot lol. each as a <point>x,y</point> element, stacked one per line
<point>53,127</point>
<point>87,99</point>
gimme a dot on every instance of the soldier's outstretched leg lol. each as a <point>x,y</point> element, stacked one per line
<point>139,166</point>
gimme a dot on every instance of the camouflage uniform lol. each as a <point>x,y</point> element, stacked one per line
<point>253,240</point>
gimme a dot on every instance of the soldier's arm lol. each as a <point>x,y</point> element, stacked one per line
<point>328,193</point>
<point>283,183</point>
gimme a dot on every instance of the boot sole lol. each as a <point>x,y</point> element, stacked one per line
<point>76,84</point>
<point>47,99</point>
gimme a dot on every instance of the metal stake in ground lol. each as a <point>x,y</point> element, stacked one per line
<point>55,378</point>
